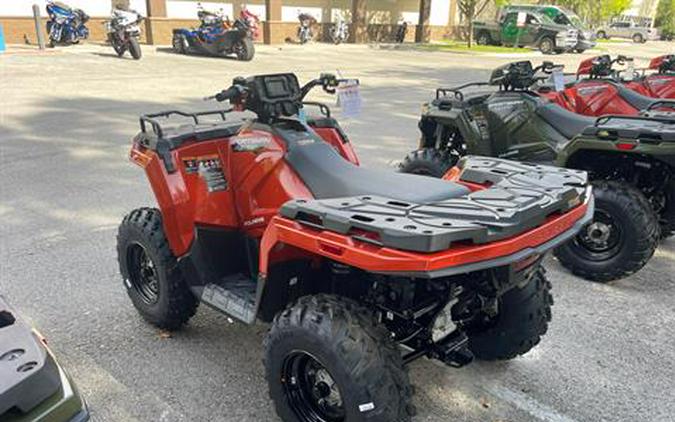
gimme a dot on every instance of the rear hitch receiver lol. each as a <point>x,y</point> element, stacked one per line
<point>452,350</point>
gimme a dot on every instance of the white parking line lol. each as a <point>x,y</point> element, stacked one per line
<point>528,404</point>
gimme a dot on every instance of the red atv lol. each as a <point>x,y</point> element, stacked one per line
<point>600,94</point>
<point>271,218</point>
<point>661,83</point>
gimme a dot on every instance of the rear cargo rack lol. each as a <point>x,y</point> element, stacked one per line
<point>457,90</point>
<point>655,127</point>
<point>520,197</point>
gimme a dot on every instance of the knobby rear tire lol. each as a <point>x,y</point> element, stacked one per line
<point>426,162</point>
<point>522,320</point>
<point>355,349</point>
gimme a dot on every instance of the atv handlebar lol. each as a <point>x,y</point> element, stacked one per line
<point>327,81</point>
<point>621,59</point>
<point>548,67</point>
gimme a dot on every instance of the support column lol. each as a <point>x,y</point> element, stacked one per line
<point>452,18</point>
<point>326,18</point>
<point>237,7</point>
<point>155,9</point>
<point>272,25</point>
<point>359,29</point>
<point>422,31</point>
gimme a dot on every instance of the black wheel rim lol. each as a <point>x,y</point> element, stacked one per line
<point>601,239</point>
<point>311,390</point>
<point>143,274</point>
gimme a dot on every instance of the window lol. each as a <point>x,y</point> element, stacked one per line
<point>532,20</point>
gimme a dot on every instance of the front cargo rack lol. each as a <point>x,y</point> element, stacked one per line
<point>520,197</point>
<point>163,136</point>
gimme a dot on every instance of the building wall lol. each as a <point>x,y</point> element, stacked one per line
<point>382,16</point>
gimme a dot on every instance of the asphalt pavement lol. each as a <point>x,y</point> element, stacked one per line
<point>66,120</point>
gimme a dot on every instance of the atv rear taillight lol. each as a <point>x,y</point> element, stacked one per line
<point>331,249</point>
<point>626,146</point>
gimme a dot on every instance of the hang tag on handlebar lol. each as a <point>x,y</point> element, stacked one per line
<point>302,116</point>
<point>349,98</point>
<point>629,71</point>
<point>558,80</point>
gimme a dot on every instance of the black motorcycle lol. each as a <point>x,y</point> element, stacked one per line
<point>401,31</point>
<point>305,33</point>
<point>124,32</point>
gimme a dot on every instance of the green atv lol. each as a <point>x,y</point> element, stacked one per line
<point>33,387</point>
<point>630,159</point>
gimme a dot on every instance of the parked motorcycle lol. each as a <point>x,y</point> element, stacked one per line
<point>630,159</point>
<point>599,91</point>
<point>66,25</point>
<point>339,33</point>
<point>215,37</point>
<point>124,33</point>
<point>305,33</point>
<point>401,32</point>
<point>253,22</point>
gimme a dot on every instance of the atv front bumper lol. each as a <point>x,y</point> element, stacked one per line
<point>585,44</point>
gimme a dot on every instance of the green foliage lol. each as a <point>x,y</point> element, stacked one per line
<point>472,8</point>
<point>665,16</point>
<point>596,12</point>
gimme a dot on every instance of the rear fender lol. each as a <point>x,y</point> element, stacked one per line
<point>436,124</point>
<point>586,147</point>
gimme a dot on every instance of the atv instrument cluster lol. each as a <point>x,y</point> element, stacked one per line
<point>273,96</point>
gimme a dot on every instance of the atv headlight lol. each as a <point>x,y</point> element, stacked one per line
<point>443,324</point>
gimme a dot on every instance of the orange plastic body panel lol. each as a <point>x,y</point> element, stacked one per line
<point>259,181</point>
<point>657,86</point>
<point>373,258</point>
<point>592,98</point>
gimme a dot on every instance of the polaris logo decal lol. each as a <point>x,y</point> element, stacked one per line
<point>249,143</point>
<point>591,90</point>
<point>255,221</point>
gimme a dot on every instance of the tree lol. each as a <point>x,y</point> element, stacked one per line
<point>472,8</point>
<point>596,12</point>
<point>665,17</point>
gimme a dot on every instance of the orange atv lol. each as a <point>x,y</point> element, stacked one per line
<point>272,218</point>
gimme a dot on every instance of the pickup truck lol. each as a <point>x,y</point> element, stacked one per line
<point>561,16</point>
<point>639,34</point>
<point>537,30</point>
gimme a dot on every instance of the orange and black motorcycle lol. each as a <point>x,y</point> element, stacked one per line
<point>272,218</point>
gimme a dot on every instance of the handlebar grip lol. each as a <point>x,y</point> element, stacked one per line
<point>227,94</point>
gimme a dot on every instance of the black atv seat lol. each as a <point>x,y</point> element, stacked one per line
<point>328,175</point>
<point>564,121</point>
<point>633,98</point>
